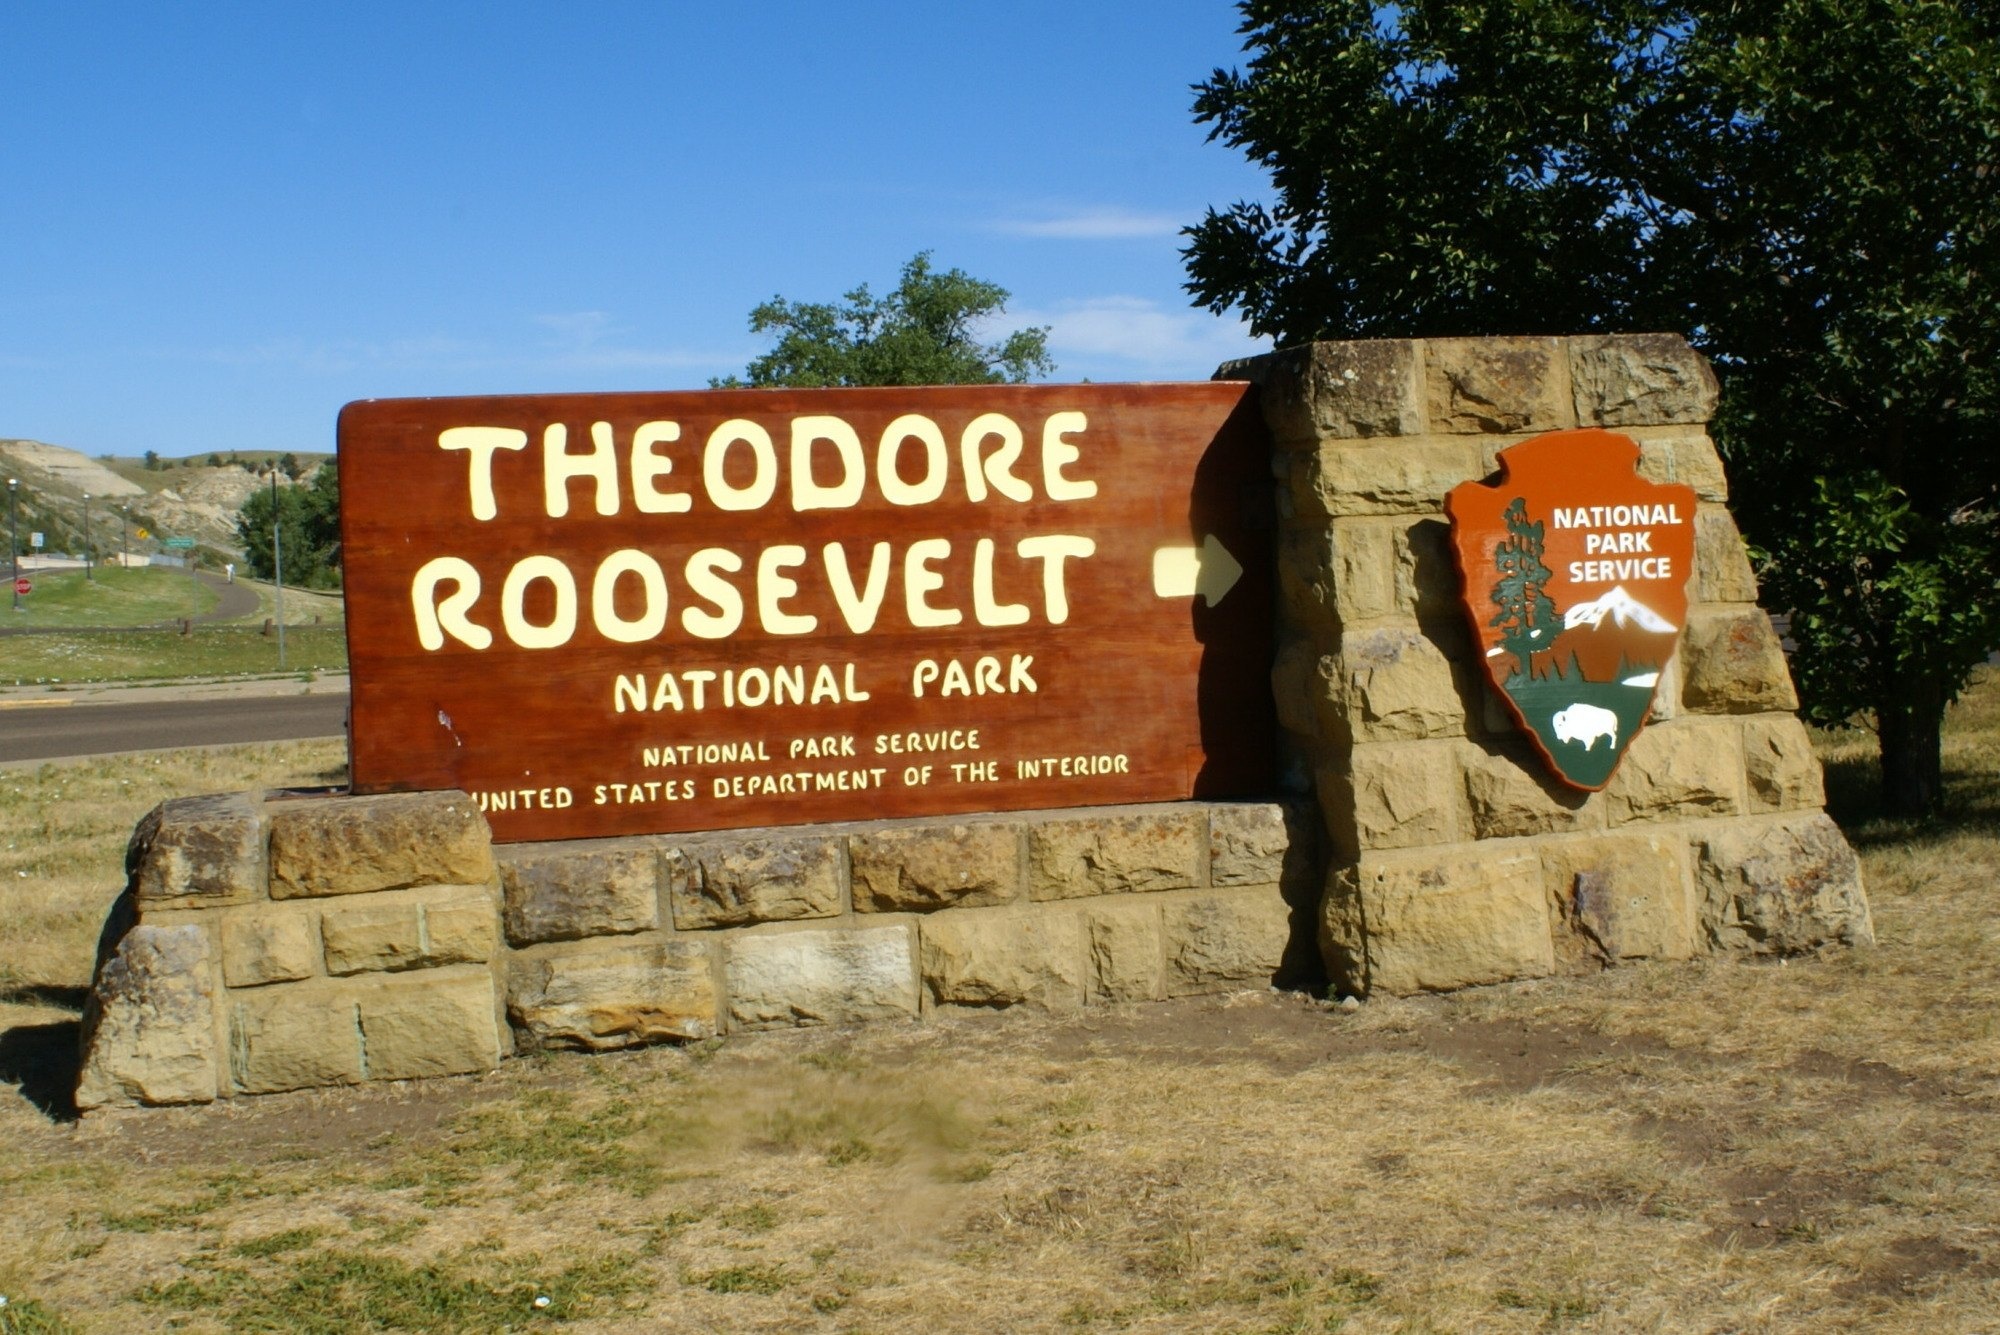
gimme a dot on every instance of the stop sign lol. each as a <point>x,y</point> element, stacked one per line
<point>24,585</point>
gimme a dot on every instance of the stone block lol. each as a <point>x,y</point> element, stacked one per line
<point>193,852</point>
<point>985,958</point>
<point>1307,576</point>
<point>1335,389</point>
<point>1780,886</point>
<point>1780,769</point>
<point>1623,897</point>
<point>439,1022</point>
<point>1678,771</point>
<point>1509,792</point>
<point>300,1037</point>
<point>1683,456</point>
<point>926,867</point>
<point>1722,572</point>
<point>1116,851</point>
<point>267,943</point>
<point>460,927</point>
<point>1125,960</point>
<point>1221,942</point>
<point>1295,766</point>
<point>1429,920</point>
<point>1390,684</point>
<point>373,936</point>
<point>409,929</point>
<point>1487,385</point>
<point>754,878</point>
<point>149,1023</point>
<point>569,891</point>
<point>1732,663</point>
<point>1361,559</point>
<point>1426,577</point>
<point>1640,380</point>
<point>613,994</point>
<point>1296,686</point>
<point>777,979</point>
<point>1259,843</point>
<point>1384,477</point>
<point>1396,795</point>
<point>357,845</point>
<point>1667,695</point>
<point>1491,719</point>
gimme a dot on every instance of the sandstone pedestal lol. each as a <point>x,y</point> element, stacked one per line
<point>1454,857</point>
<point>284,943</point>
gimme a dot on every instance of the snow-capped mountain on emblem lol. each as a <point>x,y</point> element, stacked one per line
<point>1623,609</point>
<point>1575,575</point>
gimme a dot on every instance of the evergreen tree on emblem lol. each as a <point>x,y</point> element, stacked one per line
<point>1527,615</point>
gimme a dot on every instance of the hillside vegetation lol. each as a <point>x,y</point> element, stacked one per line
<point>187,498</point>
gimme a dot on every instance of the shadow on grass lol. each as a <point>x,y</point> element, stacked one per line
<point>1854,800</point>
<point>48,994</point>
<point>42,1060</point>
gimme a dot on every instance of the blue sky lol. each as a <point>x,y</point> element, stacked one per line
<point>219,222</point>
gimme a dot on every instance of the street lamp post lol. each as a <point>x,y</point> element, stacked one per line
<point>14,538</point>
<point>89,570</point>
<point>125,536</point>
<point>278,567</point>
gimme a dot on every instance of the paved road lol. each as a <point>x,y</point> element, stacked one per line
<point>237,600</point>
<point>45,730</point>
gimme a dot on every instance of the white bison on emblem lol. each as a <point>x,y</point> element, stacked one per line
<point>1586,723</point>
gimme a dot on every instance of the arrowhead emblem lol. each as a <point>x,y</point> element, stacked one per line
<point>1574,573</point>
<point>1183,572</point>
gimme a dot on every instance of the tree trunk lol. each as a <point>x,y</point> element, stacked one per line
<point>1910,726</point>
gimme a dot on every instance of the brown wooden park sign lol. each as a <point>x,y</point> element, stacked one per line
<point>614,614</point>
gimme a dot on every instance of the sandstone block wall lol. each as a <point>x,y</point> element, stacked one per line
<point>1454,857</point>
<point>282,942</point>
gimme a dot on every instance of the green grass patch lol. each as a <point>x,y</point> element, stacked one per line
<point>277,1244</point>
<point>25,1316</point>
<point>753,1218</point>
<point>541,1137</point>
<point>178,1214</point>
<point>111,596</point>
<point>763,1280</point>
<point>211,651</point>
<point>329,1292</point>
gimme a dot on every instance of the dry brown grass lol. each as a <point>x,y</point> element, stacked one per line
<point>1726,1146</point>
<point>63,830</point>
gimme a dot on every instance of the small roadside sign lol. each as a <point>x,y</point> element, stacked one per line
<point>35,541</point>
<point>143,535</point>
<point>24,585</point>
<point>178,544</point>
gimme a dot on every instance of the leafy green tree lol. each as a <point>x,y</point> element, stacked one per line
<point>1809,189</point>
<point>925,332</point>
<point>308,524</point>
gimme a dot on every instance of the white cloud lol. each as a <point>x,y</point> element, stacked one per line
<point>1108,224</point>
<point>577,329</point>
<point>591,341</point>
<point>1103,337</point>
